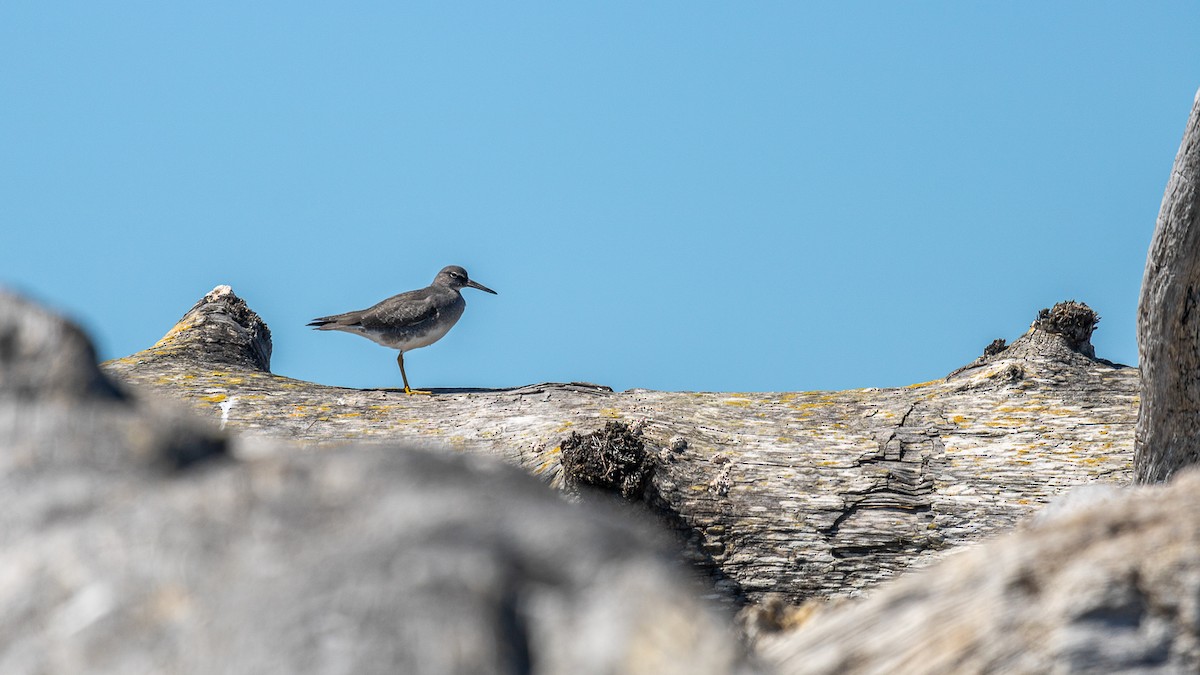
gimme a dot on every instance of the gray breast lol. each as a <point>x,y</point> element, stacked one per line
<point>415,321</point>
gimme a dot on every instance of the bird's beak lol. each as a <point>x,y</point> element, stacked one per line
<point>481,287</point>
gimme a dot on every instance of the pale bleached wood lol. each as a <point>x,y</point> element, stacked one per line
<point>1108,583</point>
<point>806,494</point>
<point>1168,433</point>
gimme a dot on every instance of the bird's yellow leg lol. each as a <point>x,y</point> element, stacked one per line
<point>407,390</point>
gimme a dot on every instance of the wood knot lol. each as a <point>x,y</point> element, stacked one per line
<point>1073,321</point>
<point>998,345</point>
<point>613,459</point>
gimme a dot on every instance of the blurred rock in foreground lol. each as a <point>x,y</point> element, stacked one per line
<point>1109,584</point>
<point>133,542</point>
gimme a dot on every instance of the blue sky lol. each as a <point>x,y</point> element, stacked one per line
<point>668,195</point>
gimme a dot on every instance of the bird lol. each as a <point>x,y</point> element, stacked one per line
<point>409,320</point>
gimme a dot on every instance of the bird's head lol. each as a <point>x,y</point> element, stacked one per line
<point>456,277</point>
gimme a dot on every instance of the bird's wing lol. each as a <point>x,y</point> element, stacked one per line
<point>407,309</point>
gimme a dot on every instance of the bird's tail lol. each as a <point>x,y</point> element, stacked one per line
<point>349,320</point>
<point>323,322</point>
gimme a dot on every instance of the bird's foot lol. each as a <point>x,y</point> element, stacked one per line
<point>421,392</point>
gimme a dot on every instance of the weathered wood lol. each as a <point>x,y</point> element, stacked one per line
<point>1168,435</point>
<point>810,493</point>
<point>1107,585</point>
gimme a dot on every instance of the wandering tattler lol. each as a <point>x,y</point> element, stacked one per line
<point>410,320</point>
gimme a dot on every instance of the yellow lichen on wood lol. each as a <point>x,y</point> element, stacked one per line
<point>175,331</point>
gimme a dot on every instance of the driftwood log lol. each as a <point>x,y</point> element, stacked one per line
<point>803,494</point>
<point>136,540</point>
<point>1168,437</point>
<point>1105,580</point>
<point>1107,584</point>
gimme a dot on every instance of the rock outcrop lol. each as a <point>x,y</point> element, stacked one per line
<point>57,409</point>
<point>135,541</point>
<point>1104,586</point>
<point>802,494</point>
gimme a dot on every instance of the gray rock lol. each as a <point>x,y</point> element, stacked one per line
<point>1109,589</point>
<point>1078,499</point>
<point>133,542</point>
<point>58,411</point>
<point>43,357</point>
